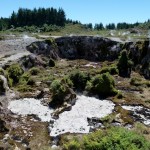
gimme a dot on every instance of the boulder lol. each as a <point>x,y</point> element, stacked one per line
<point>43,48</point>
<point>32,61</point>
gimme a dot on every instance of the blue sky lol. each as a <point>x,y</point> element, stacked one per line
<point>94,11</point>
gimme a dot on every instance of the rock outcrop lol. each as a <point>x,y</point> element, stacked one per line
<point>139,53</point>
<point>30,61</point>
<point>3,85</point>
<point>77,47</point>
<point>43,48</point>
<point>94,49</point>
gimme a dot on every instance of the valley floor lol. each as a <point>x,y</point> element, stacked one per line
<point>23,126</point>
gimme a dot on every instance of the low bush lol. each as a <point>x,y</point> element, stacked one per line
<point>111,69</point>
<point>10,81</point>
<point>111,139</point>
<point>103,85</point>
<point>139,82</point>
<point>79,79</point>
<point>135,81</point>
<point>68,81</point>
<point>14,72</point>
<point>124,64</point>
<point>72,145</point>
<point>2,72</point>
<point>59,91</point>
<point>34,71</point>
<point>24,78</point>
<point>24,88</point>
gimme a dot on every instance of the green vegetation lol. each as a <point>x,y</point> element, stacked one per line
<point>51,20</point>
<point>14,72</point>
<point>124,64</point>
<point>72,145</point>
<point>111,139</point>
<point>79,79</point>
<point>2,71</point>
<point>68,81</point>
<point>24,78</point>
<point>49,15</point>
<point>139,82</point>
<point>34,71</point>
<point>59,88</point>
<point>111,69</point>
<point>103,85</point>
<point>51,41</point>
<point>2,89</point>
<point>26,83</point>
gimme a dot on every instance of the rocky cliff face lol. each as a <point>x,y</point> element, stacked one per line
<point>87,47</point>
<point>139,52</point>
<point>77,47</point>
<point>94,49</point>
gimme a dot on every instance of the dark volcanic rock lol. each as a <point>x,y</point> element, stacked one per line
<point>31,61</point>
<point>87,47</point>
<point>43,48</point>
<point>94,49</point>
<point>78,47</point>
<point>2,126</point>
<point>139,52</point>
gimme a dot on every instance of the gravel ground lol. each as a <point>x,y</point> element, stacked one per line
<point>14,48</point>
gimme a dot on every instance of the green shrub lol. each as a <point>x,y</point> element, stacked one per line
<point>124,64</point>
<point>139,82</point>
<point>68,81</point>
<point>59,90</point>
<point>57,87</point>
<point>10,81</point>
<point>116,139</point>
<point>24,78</point>
<point>112,70</point>
<point>34,71</point>
<point>111,139</point>
<point>14,72</point>
<point>103,84</point>
<point>51,41</point>
<point>135,81</point>
<point>24,88</point>
<point>72,145</point>
<point>79,79</point>
<point>51,63</point>
<point>2,72</point>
